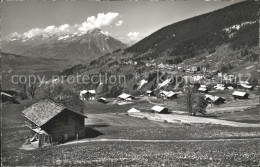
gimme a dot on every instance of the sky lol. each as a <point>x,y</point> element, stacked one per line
<point>127,21</point>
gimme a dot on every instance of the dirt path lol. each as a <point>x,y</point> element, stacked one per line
<point>186,119</point>
<point>155,141</point>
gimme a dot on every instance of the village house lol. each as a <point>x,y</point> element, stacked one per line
<point>240,95</point>
<point>126,97</point>
<point>160,110</point>
<point>168,95</point>
<point>102,100</point>
<point>245,87</point>
<point>203,89</point>
<point>7,98</point>
<point>216,100</point>
<point>133,110</point>
<point>87,94</point>
<point>150,93</point>
<point>51,123</point>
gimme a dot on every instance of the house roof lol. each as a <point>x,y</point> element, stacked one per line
<point>6,94</point>
<point>170,94</point>
<point>246,86</point>
<point>158,108</point>
<point>92,91</point>
<point>202,89</point>
<point>87,91</point>
<point>149,91</point>
<point>237,93</point>
<point>212,98</point>
<point>203,86</point>
<point>221,88</point>
<point>102,98</point>
<point>133,110</point>
<point>164,92</point>
<point>125,96</point>
<point>43,111</point>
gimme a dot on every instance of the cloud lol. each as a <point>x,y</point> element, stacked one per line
<point>99,21</point>
<point>119,23</point>
<point>134,36</point>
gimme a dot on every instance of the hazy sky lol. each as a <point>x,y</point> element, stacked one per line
<point>127,20</point>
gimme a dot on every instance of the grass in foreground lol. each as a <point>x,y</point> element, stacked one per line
<point>228,153</point>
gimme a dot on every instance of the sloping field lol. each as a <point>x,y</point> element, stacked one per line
<point>114,153</point>
<point>186,119</point>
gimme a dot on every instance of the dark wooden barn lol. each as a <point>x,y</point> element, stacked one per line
<point>240,95</point>
<point>52,122</point>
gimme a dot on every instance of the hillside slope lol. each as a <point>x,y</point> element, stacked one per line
<point>222,40</point>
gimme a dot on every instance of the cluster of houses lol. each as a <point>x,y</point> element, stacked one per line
<point>54,123</point>
<point>154,109</point>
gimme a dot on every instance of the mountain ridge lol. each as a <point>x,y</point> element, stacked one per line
<point>90,45</point>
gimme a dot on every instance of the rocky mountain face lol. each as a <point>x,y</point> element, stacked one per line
<point>88,46</point>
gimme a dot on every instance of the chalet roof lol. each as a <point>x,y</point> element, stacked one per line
<point>92,91</point>
<point>102,98</point>
<point>149,91</point>
<point>133,110</point>
<point>237,93</point>
<point>202,89</point>
<point>158,108</point>
<point>203,86</point>
<point>87,91</point>
<point>246,86</point>
<point>125,96</point>
<point>43,111</point>
<point>230,87</point>
<point>6,94</point>
<point>221,88</point>
<point>212,98</point>
<point>170,94</point>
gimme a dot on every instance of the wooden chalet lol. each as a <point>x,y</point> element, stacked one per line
<point>240,95</point>
<point>150,93</point>
<point>160,110</point>
<point>126,97</point>
<point>53,123</point>
<point>216,100</point>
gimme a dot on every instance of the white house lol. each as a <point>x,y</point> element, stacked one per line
<point>160,109</point>
<point>126,97</point>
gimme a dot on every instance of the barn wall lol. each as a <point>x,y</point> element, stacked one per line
<point>66,123</point>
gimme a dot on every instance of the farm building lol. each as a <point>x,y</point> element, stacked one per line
<point>102,100</point>
<point>133,110</point>
<point>216,100</point>
<point>51,122</point>
<point>87,94</point>
<point>125,97</point>
<point>168,95</point>
<point>245,87</point>
<point>240,95</point>
<point>7,98</point>
<point>149,93</point>
<point>203,90</point>
<point>230,87</point>
<point>220,87</point>
<point>159,109</point>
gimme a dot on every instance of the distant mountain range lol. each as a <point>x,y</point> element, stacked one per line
<point>90,45</point>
